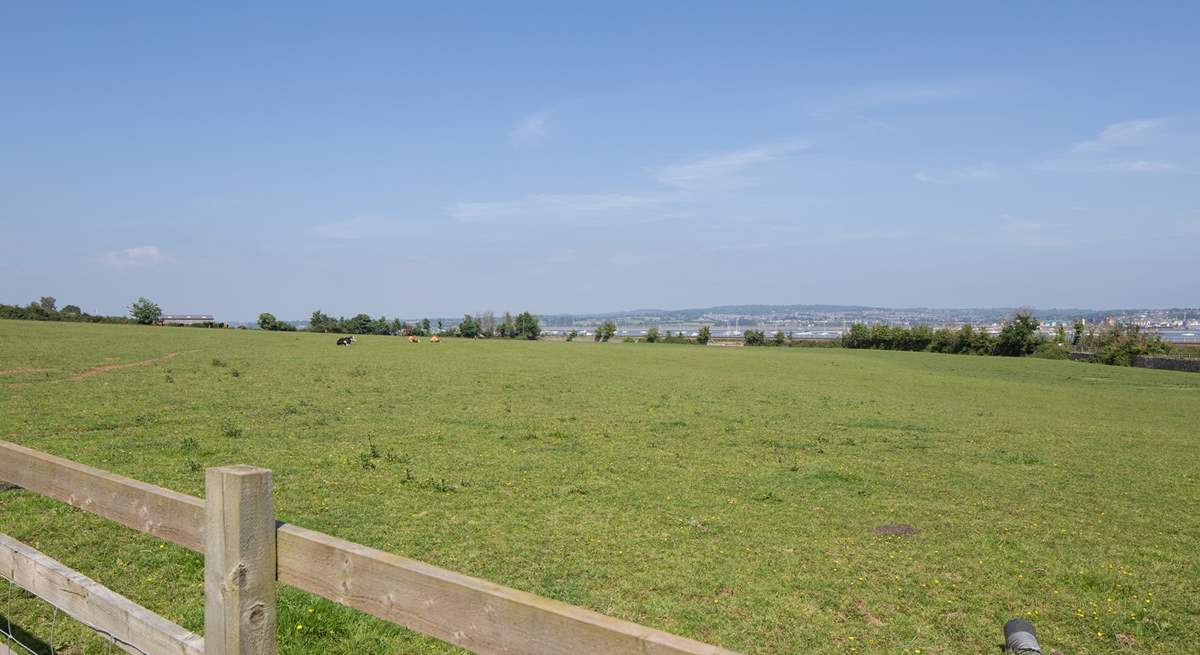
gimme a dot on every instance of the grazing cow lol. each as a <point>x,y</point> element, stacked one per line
<point>435,339</point>
<point>345,341</point>
<point>413,339</point>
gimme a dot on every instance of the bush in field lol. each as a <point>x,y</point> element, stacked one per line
<point>1050,350</point>
<point>572,334</point>
<point>755,338</point>
<point>652,334</point>
<point>703,335</point>
<point>1119,344</point>
<point>965,340</point>
<point>605,331</point>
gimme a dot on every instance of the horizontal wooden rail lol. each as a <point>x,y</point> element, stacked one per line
<point>475,614</point>
<point>134,628</point>
<point>168,515</point>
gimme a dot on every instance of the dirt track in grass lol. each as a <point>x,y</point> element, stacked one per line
<point>83,375</point>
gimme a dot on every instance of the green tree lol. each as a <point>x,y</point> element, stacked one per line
<point>858,336</point>
<point>425,326</point>
<point>607,330</point>
<point>360,324</point>
<point>652,334</point>
<point>320,322</point>
<point>779,339</point>
<point>48,303</point>
<point>267,321</point>
<point>1077,336</point>
<point>755,338</point>
<point>704,335</point>
<point>526,326</point>
<point>72,311</point>
<point>144,311</point>
<point>572,334</point>
<point>1060,334</point>
<point>1019,336</point>
<point>468,328</point>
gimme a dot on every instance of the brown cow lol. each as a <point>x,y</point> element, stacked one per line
<point>435,339</point>
<point>413,339</point>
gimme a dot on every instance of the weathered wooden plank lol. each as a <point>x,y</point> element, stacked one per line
<point>475,614</point>
<point>136,629</point>
<point>168,515</point>
<point>239,562</point>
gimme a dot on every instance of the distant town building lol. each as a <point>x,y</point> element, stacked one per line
<point>185,319</point>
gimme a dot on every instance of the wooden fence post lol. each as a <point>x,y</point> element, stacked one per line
<point>239,562</point>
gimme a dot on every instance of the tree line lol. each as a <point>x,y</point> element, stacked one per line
<point>485,326</point>
<point>1020,336</point>
<point>46,309</point>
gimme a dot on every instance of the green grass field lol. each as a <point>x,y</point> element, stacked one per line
<point>726,494</point>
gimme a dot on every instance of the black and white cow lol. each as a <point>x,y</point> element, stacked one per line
<point>345,341</point>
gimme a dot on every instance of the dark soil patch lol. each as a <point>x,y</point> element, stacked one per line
<point>896,530</point>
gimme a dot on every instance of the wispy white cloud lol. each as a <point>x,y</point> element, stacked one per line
<point>1143,166</point>
<point>719,169</point>
<point>1031,233</point>
<point>816,240</point>
<point>879,96</point>
<point>1091,165</point>
<point>136,257</point>
<point>360,227</point>
<point>530,130</point>
<point>1117,135</point>
<point>553,207</point>
<point>895,94</point>
<point>959,176</point>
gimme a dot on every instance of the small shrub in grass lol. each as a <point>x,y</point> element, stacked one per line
<point>1050,350</point>
<point>189,443</point>
<point>194,467</point>
<point>218,363</point>
<point>229,429</point>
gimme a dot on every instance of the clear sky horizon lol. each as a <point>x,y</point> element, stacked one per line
<point>432,161</point>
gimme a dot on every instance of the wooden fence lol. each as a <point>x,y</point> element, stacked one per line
<point>246,550</point>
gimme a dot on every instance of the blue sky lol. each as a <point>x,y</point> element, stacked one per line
<point>432,161</point>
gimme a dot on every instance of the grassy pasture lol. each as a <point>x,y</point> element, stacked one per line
<point>731,495</point>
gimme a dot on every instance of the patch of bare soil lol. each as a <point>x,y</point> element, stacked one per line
<point>868,614</point>
<point>896,530</point>
<point>112,367</point>
<point>19,371</point>
<point>91,372</point>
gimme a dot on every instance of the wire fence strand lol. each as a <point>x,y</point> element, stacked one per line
<point>12,639</point>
